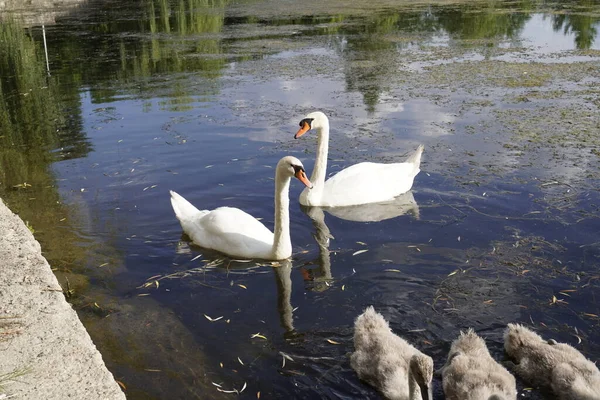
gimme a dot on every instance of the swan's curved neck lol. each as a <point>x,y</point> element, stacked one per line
<point>320,169</point>
<point>282,243</point>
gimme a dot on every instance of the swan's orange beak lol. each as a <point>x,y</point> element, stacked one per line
<point>301,175</point>
<point>304,127</point>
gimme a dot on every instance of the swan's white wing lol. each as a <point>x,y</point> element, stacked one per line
<point>368,183</point>
<point>231,231</point>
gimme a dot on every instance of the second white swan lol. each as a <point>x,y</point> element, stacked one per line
<point>361,183</point>
<point>237,233</point>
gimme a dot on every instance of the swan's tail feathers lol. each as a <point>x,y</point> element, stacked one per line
<point>368,326</point>
<point>415,158</point>
<point>183,209</point>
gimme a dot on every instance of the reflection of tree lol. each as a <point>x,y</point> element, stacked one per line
<point>32,125</point>
<point>487,20</point>
<point>168,37</point>
<point>582,26</point>
<point>373,47</point>
<point>370,56</point>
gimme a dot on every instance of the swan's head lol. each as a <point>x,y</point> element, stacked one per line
<point>421,368</point>
<point>314,120</point>
<point>290,166</point>
<point>517,336</point>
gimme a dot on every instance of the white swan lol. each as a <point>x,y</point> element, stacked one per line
<point>237,233</point>
<point>358,184</point>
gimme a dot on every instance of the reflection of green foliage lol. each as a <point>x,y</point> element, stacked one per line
<point>488,20</point>
<point>582,26</point>
<point>31,125</point>
<point>171,36</point>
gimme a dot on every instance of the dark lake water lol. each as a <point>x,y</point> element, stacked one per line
<point>204,97</point>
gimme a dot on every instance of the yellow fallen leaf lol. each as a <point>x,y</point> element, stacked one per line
<point>258,335</point>
<point>332,341</point>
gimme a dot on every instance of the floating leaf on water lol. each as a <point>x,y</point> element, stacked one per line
<point>590,315</point>
<point>143,294</point>
<point>332,341</point>
<point>343,287</point>
<point>353,271</point>
<point>227,391</point>
<point>240,360</point>
<point>149,279</point>
<point>152,370</point>
<point>212,319</point>
<point>62,219</point>
<point>453,272</point>
<point>156,283</point>
<point>385,260</point>
<point>565,294</point>
<point>294,309</point>
<point>258,395</point>
<point>391,270</point>
<point>209,166</point>
<point>359,252</point>
<point>488,301</point>
<point>283,363</point>
<point>221,364</point>
<point>242,286</point>
<point>363,243</point>
<point>258,335</point>
<point>578,339</point>
<point>195,258</point>
<point>121,384</point>
<point>284,355</point>
<point>102,265</point>
<point>216,384</point>
<point>242,261</point>
<point>243,388</point>
<point>458,238</point>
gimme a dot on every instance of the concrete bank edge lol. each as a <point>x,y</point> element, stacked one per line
<point>40,333</point>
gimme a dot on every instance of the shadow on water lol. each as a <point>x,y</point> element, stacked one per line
<point>199,96</point>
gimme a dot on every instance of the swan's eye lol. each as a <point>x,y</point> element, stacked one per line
<point>306,121</point>
<point>297,168</point>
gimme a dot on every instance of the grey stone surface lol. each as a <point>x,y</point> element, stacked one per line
<point>39,330</point>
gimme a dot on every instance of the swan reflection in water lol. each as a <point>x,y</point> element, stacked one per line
<point>373,212</point>
<point>283,277</point>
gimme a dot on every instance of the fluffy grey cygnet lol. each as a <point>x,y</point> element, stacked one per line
<point>388,362</point>
<point>553,365</point>
<point>470,373</point>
